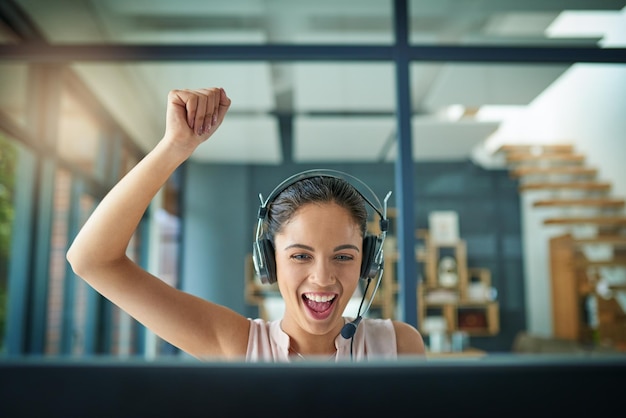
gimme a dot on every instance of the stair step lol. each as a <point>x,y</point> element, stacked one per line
<point>565,170</point>
<point>615,262</point>
<point>594,220</point>
<point>614,240</point>
<point>534,149</point>
<point>523,157</point>
<point>580,185</point>
<point>612,203</point>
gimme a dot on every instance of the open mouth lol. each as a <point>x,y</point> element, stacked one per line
<point>319,304</point>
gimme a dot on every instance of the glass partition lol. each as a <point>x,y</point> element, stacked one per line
<point>8,165</point>
<point>79,135</point>
<point>218,22</point>
<point>13,84</point>
<point>511,23</point>
<point>472,125</point>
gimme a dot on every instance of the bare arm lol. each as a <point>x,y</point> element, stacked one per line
<point>98,253</point>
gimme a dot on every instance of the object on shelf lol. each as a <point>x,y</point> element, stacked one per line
<point>448,272</point>
<point>434,324</point>
<point>435,253</point>
<point>438,342</point>
<point>443,227</point>
<point>459,341</point>
<point>598,252</point>
<point>479,292</point>
<point>472,319</point>
<point>441,296</point>
<point>479,287</point>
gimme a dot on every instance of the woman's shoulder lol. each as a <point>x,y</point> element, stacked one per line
<point>263,325</point>
<point>267,341</point>
<point>408,338</point>
<point>378,323</point>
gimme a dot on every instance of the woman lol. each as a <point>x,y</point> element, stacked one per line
<point>317,250</point>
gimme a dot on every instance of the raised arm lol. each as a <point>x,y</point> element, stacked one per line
<point>98,253</point>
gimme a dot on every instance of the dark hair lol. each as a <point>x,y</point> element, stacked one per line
<point>319,189</point>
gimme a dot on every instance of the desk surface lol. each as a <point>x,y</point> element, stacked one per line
<point>467,353</point>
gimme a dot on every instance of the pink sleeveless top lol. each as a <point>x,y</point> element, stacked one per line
<point>374,339</point>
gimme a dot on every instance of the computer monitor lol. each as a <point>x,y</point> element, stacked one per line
<point>491,386</point>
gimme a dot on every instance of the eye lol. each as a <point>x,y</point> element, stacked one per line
<point>344,257</point>
<point>300,257</point>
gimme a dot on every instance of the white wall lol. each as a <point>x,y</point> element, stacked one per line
<point>586,106</point>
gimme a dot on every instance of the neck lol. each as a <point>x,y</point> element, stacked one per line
<point>298,356</point>
<point>310,345</point>
<point>296,349</point>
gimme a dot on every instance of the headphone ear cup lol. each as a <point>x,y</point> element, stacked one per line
<point>264,260</point>
<point>369,268</point>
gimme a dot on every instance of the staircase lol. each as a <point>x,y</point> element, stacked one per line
<point>588,244</point>
<point>573,186</point>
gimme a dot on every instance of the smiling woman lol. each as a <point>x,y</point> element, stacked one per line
<point>311,240</point>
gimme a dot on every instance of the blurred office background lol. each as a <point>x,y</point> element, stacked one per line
<point>416,96</point>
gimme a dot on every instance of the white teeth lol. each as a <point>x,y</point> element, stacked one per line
<point>319,298</point>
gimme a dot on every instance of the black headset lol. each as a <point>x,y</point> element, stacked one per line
<point>263,254</point>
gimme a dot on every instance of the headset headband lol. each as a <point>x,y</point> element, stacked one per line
<point>263,252</point>
<point>378,207</point>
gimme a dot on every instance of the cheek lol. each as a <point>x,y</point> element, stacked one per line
<point>349,273</point>
<point>282,261</point>
<point>351,284</point>
<point>290,277</point>
<point>349,276</point>
<point>289,272</point>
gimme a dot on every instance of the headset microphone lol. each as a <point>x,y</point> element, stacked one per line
<point>349,329</point>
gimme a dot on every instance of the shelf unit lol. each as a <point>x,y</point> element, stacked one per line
<point>465,306</point>
<point>575,283</point>
<point>255,292</point>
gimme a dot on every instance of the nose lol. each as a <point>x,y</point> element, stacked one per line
<point>322,273</point>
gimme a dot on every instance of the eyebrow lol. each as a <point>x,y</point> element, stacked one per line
<point>338,248</point>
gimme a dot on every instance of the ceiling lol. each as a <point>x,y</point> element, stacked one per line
<point>319,111</point>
